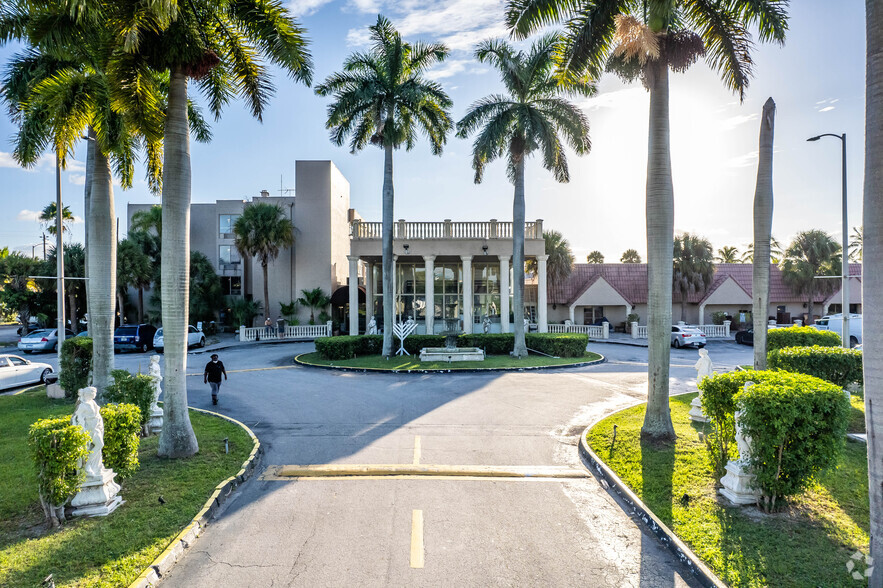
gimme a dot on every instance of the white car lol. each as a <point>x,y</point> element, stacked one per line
<point>195,338</point>
<point>17,371</point>
<point>684,336</point>
<point>834,323</point>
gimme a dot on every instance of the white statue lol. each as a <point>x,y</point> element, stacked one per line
<point>155,422</point>
<point>87,415</point>
<point>372,326</point>
<point>526,325</point>
<point>743,442</point>
<point>486,324</point>
<point>704,366</point>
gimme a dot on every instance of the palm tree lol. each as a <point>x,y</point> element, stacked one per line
<point>763,225</point>
<point>560,262</point>
<point>148,220</point>
<point>135,269</point>
<point>812,253</point>
<point>47,217</point>
<point>872,281</point>
<point>727,254</point>
<point>595,257</point>
<point>630,256</point>
<point>261,231</point>
<point>855,244</point>
<point>533,116</point>
<point>74,267</point>
<point>776,252</point>
<point>693,268</point>
<point>314,299</point>
<point>644,40</point>
<point>382,98</point>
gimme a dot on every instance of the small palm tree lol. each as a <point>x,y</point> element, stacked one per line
<point>560,262</point>
<point>135,269</point>
<point>314,299</point>
<point>148,220</point>
<point>595,257</point>
<point>727,254</point>
<point>855,244</point>
<point>812,253</point>
<point>693,268</point>
<point>47,217</point>
<point>532,117</point>
<point>630,256</point>
<point>261,231</point>
<point>382,98</point>
<point>776,252</point>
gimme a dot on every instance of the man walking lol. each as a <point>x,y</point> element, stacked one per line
<point>212,376</point>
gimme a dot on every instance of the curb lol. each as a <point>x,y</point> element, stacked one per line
<point>365,370</point>
<point>187,537</point>
<point>234,344</point>
<point>659,529</point>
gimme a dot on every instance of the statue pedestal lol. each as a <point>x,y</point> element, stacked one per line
<point>154,425</point>
<point>696,414</point>
<point>737,484</point>
<point>97,496</point>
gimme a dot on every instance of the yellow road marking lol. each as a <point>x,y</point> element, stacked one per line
<point>361,470</point>
<point>263,369</point>
<point>416,449</point>
<point>417,539</point>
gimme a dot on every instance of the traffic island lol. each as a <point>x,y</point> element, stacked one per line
<point>412,364</point>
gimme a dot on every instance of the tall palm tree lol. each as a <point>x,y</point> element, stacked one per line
<point>74,267</point>
<point>763,225</point>
<point>727,254</point>
<point>261,231</point>
<point>630,256</point>
<point>693,268</point>
<point>872,282</point>
<point>47,217</point>
<point>382,98</point>
<point>812,253</point>
<point>595,257</point>
<point>644,39</point>
<point>532,116</point>
<point>855,244</point>
<point>560,262</point>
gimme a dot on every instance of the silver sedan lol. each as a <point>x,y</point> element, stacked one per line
<point>17,371</point>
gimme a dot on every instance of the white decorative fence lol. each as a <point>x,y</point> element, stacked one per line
<point>593,331</point>
<point>289,332</point>
<point>639,331</point>
<point>711,331</point>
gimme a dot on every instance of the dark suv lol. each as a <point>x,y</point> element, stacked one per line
<point>133,338</point>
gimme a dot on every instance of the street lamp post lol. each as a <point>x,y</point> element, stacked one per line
<point>844,289</point>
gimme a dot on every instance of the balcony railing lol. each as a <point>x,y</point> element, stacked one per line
<point>447,229</point>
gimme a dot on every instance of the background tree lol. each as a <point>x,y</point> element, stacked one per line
<point>533,116</point>
<point>727,254</point>
<point>382,98</point>
<point>134,268</point>
<point>644,40</point>
<point>630,256</point>
<point>314,299</point>
<point>763,226</point>
<point>777,253</point>
<point>855,244</point>
<point>595,257</point>
<point>693,268</point>
<point>206,295</point>
<point>261,231</point>
<point>47,218</point>
<point>560,262</point>
<point>148,221</point>
<point>74,290</point>
<point>811,253</point>
<point>19,292</point>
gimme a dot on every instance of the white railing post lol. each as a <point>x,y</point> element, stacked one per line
<point>605,330</point>
<point>727,328</point>
<point>242,332</point>
<point>328,329</point>
<point>635,330</point>
<point>798,322</point>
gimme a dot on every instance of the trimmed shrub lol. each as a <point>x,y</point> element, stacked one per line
<point>347,347</point>
<point>800,337</point>
<point>75,365</point>
<point>718,317</point>
<point>122,429</point>
<point>414,343</point>
<point>797,427</point>
<point>834,364</point>
<point>558,344</point>
<point>134,389</point>
<point>56,448</point>
<point>492,343</point>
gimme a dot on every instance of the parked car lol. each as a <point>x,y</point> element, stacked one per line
<point>18,371</point>
<point>134,338</point>
<point>195,338</point>
<point>834,323</point>
<point>42,340</point>
<point>686,336</point>
<point>745,337</point>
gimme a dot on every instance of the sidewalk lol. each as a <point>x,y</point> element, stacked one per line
<point>229,340</point>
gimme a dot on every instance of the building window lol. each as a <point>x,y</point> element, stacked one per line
<point>486,291</point>
<point>411,291</point>
<point>226,222</point>
<point>592,314</point>
<point>448,291</point>
<point>231,285</point>
<point>228,255</point>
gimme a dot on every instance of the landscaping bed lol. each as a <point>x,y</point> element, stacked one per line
<point>113,550</point>
<point>413,363</point>
<point>807,543</point>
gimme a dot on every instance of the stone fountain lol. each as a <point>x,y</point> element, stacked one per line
<point>450,352</point>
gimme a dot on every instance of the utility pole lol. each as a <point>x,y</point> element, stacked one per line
<point>44,246</point>
<point>59,255</point>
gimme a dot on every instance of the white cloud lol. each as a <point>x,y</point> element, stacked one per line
<point>745,160</point>
<point>77,179</point>
<point>306,7</point>
<point>447,69</point>
<point>358,37</point>
<point>625,98</point>
<point>826,109</point>
<point>728,124</point>
<point>28,215</point>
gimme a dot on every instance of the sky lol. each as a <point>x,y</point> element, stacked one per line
<point>816,79</point>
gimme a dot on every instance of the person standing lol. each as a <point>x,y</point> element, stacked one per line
<point>212,376</point>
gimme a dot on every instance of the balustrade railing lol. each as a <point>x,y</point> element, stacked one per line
<point>289,332</point>
<point>710,331</point>
<point>445,230</point>
<point>593,331</point>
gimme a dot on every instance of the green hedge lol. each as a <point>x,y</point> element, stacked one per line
<point>834,364</point>
<point>797,425</point>
<point>75,365</point>
<point>122,429</point>
<point>800,337</point>
<point>56,448</point>
<point>558,344</point>
<point>134,389</point>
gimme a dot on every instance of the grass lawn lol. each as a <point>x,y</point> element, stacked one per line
<point>408,363</point>
<point>103,551</point>
<point>807,544</point>
<point>857,415</point>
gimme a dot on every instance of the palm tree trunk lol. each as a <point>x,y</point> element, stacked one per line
<point>763,226</point>
<point>121,304</point>
<point>102,269</point>
<point>87,199</point>
<point>140,305</point>
<point>872,281</point>
<point>810,303</point>
<point>266,288</point>
<point>520,349</point>
<point>72,304</point>
<point>684,309</point>
<point>177,438</point>
<point>388,262</point>
<point>657,425</point>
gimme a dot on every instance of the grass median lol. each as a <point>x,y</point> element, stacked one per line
<point>808,543</point>
<point>413,363</point>
<point>112,550</point>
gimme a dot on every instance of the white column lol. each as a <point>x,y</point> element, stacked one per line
<point>572,313</point>
<point>369,292</point>
<point>701,314</point>
<point>467,293</point>
<point>429,264</point>
<point>543,326</point>
<point>394,293</point>
<point>504,293</point>
<point>354,294</point>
